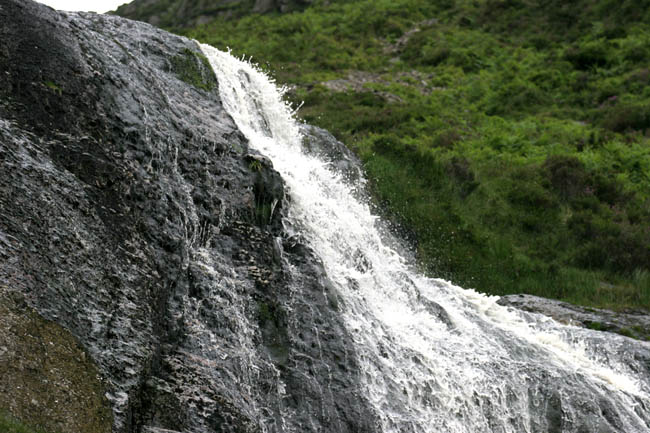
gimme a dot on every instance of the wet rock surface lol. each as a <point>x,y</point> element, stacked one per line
<point>134,216</point>
<point>635,324</point>
<point>324,145</point>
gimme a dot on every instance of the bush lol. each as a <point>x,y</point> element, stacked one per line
<point>446,138</point>
<point>625,117</point>
<point>588,55</point>
<point>515,97</point>
<point>460,170</point>
<point>567,176</point>
<point>427,47</point>
<point>618,247</point>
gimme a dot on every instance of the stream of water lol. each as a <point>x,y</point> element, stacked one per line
<point>435,357</point>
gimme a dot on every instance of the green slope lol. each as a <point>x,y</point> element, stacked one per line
<point>185,13</point>
<point>509,136</point>
<point>8,424</point>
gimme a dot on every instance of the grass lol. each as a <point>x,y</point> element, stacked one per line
<point>509,136</point>
<point>9,424</point>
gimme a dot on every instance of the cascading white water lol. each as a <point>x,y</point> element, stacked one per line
<point>435,357</point>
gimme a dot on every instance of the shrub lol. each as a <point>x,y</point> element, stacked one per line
<point>588,55</point>
<point>514,97</point>
<point>446,138</point>
<point>624,117</point>
<point>567,176</point>
<point>459,169</point>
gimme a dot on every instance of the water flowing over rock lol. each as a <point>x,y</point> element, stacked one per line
<point>219,264</point>
<point>631,323</point>
<point>434,357</point>
<point>323,145</point>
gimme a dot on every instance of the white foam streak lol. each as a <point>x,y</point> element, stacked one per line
<point>435,357</point>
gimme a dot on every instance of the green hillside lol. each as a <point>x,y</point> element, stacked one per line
<point>174,14</point>
<point>508,137</point>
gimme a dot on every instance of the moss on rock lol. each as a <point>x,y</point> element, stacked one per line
<point>194,69</point>
<point>46,379</point>
<point>9,424</point>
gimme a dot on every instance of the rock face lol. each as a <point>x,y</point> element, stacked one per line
<point>134,216</point>
<point>634,324</point>
<point>342,160</point>
<point>189,13</point>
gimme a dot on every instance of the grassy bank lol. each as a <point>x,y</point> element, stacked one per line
<point>510,136</point>
<point>9,424</point>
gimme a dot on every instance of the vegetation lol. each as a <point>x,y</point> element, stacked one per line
<point>8,424</point>
<point>51,384</point>
<point>170,13</point>
<point>194,68</point>
<point>53,87</point>
<point>183,13</point>
<point>510,136</point>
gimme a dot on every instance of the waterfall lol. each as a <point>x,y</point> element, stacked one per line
<point>434,357</point>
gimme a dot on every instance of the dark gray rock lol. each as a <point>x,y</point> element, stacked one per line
<point>133,214</point>
<point>324,145</point>
<point>634,324</point>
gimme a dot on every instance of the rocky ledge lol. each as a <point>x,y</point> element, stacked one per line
<point>635,324</point>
